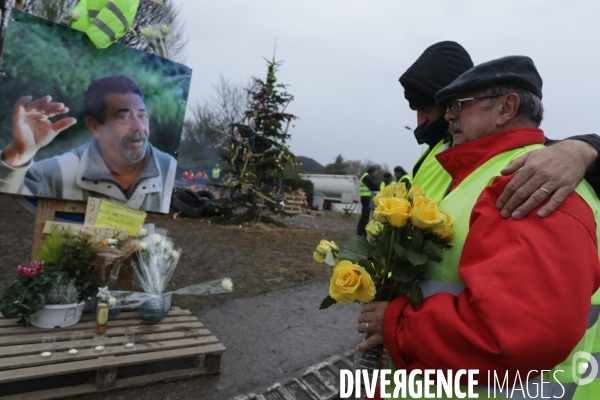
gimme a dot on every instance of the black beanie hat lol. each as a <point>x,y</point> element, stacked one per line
<point>512,70</point>
<point>437,67</point>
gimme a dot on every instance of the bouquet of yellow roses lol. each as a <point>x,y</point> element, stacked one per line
<point>408,231</point>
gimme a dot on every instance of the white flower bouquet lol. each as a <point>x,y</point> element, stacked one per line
<point>154,260</point>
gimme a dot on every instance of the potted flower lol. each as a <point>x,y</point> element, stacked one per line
<point>53,290</point>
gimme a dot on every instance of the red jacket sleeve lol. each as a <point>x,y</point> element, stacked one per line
<point>525,307</point>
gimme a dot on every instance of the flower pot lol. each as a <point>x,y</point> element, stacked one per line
<point>57,315</point>
<point>156,309</point>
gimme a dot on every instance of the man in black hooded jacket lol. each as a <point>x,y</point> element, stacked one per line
<point>558,168</point>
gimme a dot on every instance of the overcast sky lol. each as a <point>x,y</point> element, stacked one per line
<point>342,60</point>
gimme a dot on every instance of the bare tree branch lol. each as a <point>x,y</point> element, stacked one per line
<point>207,135</point>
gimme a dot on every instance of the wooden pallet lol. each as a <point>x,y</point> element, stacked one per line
<point>179,336</point>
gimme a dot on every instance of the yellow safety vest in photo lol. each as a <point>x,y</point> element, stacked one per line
<point>105,21</point>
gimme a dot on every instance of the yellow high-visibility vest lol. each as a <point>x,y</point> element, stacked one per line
<point>105,21</point>
<point>363,189</point>
<point>431,176</point>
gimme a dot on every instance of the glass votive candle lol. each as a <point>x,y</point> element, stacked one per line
<point>98,344</point>
<point>48,346</point>
<point>129,340</point>
<point>75,345</point>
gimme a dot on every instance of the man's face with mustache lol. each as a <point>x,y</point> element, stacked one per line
<point>474,120</point>
<point>123,137</point>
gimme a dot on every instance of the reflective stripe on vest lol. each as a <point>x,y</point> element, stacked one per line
<point>459,204</point>
<point>94,7</point>
<point>431,176</point>
<point>363,189</point>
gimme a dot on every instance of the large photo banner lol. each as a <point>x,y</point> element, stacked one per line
<point>79,122</point>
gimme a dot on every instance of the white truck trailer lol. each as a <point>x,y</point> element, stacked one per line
<point>336,188</point>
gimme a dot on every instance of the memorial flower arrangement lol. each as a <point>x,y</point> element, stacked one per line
<point>154,261</point>
<point>407,233</point>
<point>62,273</point>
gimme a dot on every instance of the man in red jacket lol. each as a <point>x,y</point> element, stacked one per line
<point>526,300</point>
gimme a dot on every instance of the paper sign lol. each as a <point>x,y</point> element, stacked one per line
<point>103,213</point>
<point>76,229</point>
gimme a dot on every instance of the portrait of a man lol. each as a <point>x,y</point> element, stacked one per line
<point>119,163</point>
<point>80,122</point>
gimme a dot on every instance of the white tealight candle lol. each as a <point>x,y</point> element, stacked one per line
<point>99,348</point>
<point>46,354</point>
<point>129,345</point>
<point>73,352</point>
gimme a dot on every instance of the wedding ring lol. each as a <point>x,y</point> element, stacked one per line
<point>547,192</point>
<point>367,327</point>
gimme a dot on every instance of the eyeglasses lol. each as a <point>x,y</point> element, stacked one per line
<point>456,105</point>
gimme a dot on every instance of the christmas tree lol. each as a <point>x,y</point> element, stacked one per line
<point>259,153</point>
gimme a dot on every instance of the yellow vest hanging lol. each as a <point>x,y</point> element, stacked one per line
<point>444,276</point>
<point>431,176</point>
<point>105,21</point>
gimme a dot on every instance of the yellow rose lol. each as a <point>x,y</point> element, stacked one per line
<point>416,191</point>
<point>375,228</point>
<point>395,210</point>
<point>323,248</point>
<point>351,282</point>
<point>444,230</point>
<point>425,213</point>
<point>318,256</point>
<point>392,190</point>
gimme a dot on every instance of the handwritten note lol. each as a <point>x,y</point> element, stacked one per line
<point>78,229</point>
<point>103,213</point>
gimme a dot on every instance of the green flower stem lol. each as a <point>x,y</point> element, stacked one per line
<point>390,252</point>
<point>386,285</point>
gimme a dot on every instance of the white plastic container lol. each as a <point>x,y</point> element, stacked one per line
<point>57,315</point>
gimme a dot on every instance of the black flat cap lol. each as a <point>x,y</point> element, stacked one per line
<point>512,70</point>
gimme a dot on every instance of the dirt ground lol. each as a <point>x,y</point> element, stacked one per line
<point>258,258</point>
